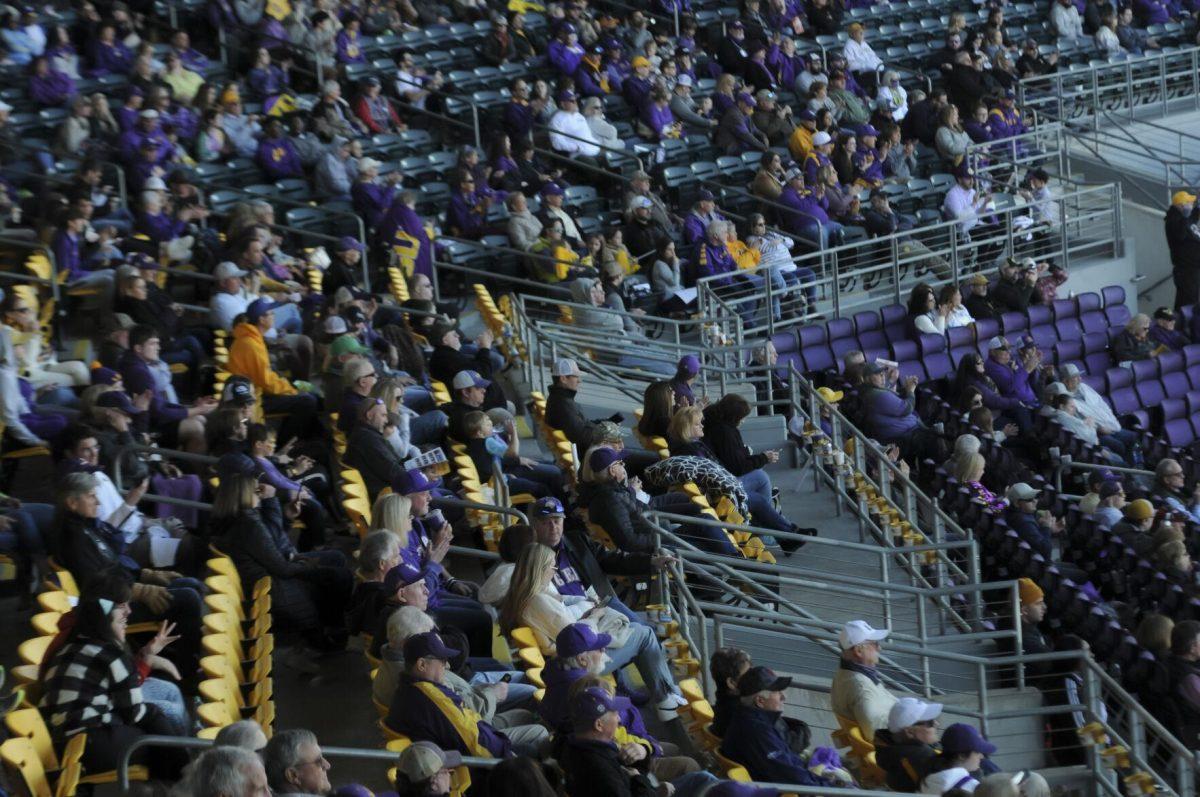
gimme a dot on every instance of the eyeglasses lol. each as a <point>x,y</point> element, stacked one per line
<point>371,375</point>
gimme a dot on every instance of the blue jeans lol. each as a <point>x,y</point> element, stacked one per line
<point>288,320</point>
<point>169,700</point>
<point>59,397</point>
<point>618,605</point>
<point>758,490</point>
<point>495,357</point>
<point>529,478</point>
<point>418,399</point>
<point>693,783</point>
<point>643,650</point>
<point>427,428</point>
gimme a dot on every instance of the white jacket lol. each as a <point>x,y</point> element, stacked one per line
<point>548,613</point>
<point>1091,404</point>
<point>860,57</point>
<point>856,697</point>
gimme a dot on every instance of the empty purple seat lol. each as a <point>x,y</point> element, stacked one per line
<point>903,350</point>
<point>1193,375</point>
<point>1014,323</point>
<point>1064,308</point>
<point>1145,369</point>
<point>986,329</point>
<point>912,368</point>
<point>1068,351</point>
<point>1173,408</point>
<point>1191,354</point>
<point>814,350</point>
<point>1044,337</point>
<point>869,330</point>
<point>1118,315</point>
<point>1193,401</point>
<point>895,322</point>
<point>788,348</point>
<point>934,356</point>
<point>961,341</point>
<point>1112,295</point>
<point>1175,384</point>
<point>931,344</point>
<point>1039,316</point>
<point>1150,392</point>
<point>1170,361</point>
<point>1089,302</point>
<point>1117,378</point>
<point>1093,322</point>
<point>1178,432</point>
<point>1069,329</point>
<point>841,338</point>
<point>1095,381</point>
<point>1124,401</point>
<point>1095,352</point>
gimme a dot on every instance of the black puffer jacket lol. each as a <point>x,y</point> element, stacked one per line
<point>615,509</point>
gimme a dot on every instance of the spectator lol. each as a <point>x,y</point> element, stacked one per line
<point>1112,501</point>
<point>736,133</point>
<point>959,764</point>
<point>1170,489</point>
<point>861,59</point>
<point>425,709</point>
<point>891,416</point>
<point>857,693</point>
<point>425,770</point>
<point>1182,223</point>
<point>1092,406</point>
<point>906,746</point>
<point>1163,331</point>
<point>1017,288</point>
<point>761,739</point>
<point>726,666</point>
<point>227,771</point>
<point>248,358</point>
<point>295,764</point>
<point>1067,24</point>
<point>1133,343</point>
<point>570,133</point>
<point>1183,668</point>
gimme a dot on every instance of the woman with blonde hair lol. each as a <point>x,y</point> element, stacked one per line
<point>969,470</point>
<point>533,601</point>
<point>393,513</point>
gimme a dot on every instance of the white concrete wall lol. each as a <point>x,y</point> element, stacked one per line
<point>1144,225</point>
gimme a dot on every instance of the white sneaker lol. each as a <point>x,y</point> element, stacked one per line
<point>668,709</point>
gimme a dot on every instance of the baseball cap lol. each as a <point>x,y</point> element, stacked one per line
<point>236,464</point>
<point>259,308</point>
<point>227,270</point>
<point>1111,488</point>
<point>764,94</point>
<point>566,95</point>
<point>141,260</point>
<point>1164,313</point>
<point>704,195</point>
<point>963,170</point>
<point>867,130</point>
<point>978,279</point>
<point>565,367</point>
<point>1139,509</point>
<point>579,638</point>
<point>997,342</point>
<point>438,330</point>
<point>608,431</point>
<point>466,379</point>
<point>1182,198</point>
<point>1056,389</point>
<point>426,645</point>
<point>689,364</point>
<point>856,632</point>
<point>821,138</point>
<point>413,481</point>
<point>336,325</point>
<point>963,738</point>
<point>139,380</point>
<point>149,113</point>
<point>1021,492</point>
<point>105,376</point>
<point>5,107</point>
<point>590,705</point>
<point>761,679</point>
<point>402,575</point>
<point>807,115</point>
<point>793,173</point>
<point>684,80</point>
<point>239,393</point>
<point>737,23</point>
<point>1070,371</point>
<point>908,711</point>
<point>830,395</point>
<point>745,99</point>
<point>548,507</point>
<point>348,242</point>
<point>347,344</point>
<point>552,189</point>
<point>642,202</point>
<point>1101,476</point>
<point>603,458</point>
<point>420,761</point>
<point>872,368</point>
<point>639,60</point>
<point>1029,592</point>
<point>118,400</point>
<point>154,184</point>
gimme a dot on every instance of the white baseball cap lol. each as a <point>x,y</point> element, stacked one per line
<point>908,711</point>
<point>1021,492</point>
<point>856,632</point>
<point>369,164</point>
<point>336,325</point>
<point>226,270</point>
<point>155,184</point>
<point>1070,370</point>
<point>821,138</point>
<point>997,343</point>
<point>565,367</point>
<point>4,106</point>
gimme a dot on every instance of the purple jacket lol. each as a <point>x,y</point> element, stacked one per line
<point>278,158</point>
<point>1171,338</point>
<point>695,225</point>
<point>53,88</point>
<point>137,377</point>
<point>1012,382</point>
<point>565,59</point>
<point>415,715</point>
<point>66,255</point>
<point>554,708</point>
<point>371,201</point>
<point>712,260</point>
<point>518,119</point>
<point>159,227</point>
<point>636,90</point>
<point>657,118</point>
<point>264,83</point>
<point>348,49</point>
<point>402,218</point>
<point>108,59</point>
<point>890,416</point>
<point>874,172</point>
<point>192,59</point>
<point>272,476</point>
<point>464,213</point>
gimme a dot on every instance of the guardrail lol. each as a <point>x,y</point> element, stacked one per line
<point>1150,84</point>
<point>890,266</point>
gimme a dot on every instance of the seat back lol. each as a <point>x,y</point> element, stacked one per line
<point>21,761</point>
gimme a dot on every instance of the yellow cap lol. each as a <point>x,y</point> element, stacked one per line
<point>1139,510</point>
<point>978,279</point>
<point>832,396</point>
<point>1182,198</point>
<point>854,26</point>
<point>639,60</point>
<point>1029,591</point>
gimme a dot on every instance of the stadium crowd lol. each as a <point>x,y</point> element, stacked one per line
<point>205,327</point>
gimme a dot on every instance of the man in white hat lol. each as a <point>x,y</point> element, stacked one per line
<point>906,746</point>
<point>1090,405</point>
<point>857,693</point>
<point>684,107</point>
<point>230,299</point>
<point>562,412</point>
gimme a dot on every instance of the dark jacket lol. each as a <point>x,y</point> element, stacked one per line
<point>253,542</point>
<point>86,546</point>
<point>642,239</point>
<point>756,740</point>
<point>723,709</point>
<point>456,411</point>
<point>1187,716</point>
<point>594,769</point>
<point>1015,296</point>
<point>615,509</point>
<point>904,761</point>
<point>594,563</point>
<point>726,443</point>
<point>981,307</point>
<point>1183,237</point>
<point>374,457</point>
<point>368,604</point>
<point>563,413</point>
<point>417,717</point>
<point>1125,347</point>
<point>446,362</point>
<point>1026,525</point>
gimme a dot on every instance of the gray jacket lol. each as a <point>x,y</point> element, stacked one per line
<point>684,109</point>
<point>12,403</point>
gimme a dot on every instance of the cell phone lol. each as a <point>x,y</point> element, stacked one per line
<point>506,678</point>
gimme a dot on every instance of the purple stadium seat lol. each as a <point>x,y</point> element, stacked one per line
<point>1170,361</point>
<point>985,330</point>
<point>1044,337</point>
<point>1113,295</point>
<point>1193,375</point>
<point>814,351</point>
<point>869,330</point>
<point>1068,351</point>
<point>1175,384</point>
<point>1064,308</point>
<point>1116,378</point>
<point>1069,329</point>
<point>1093,322</point>
<point>1178,432</point>
<point>1150,392</point>
<point>1095,352</point>
<point>1193,401</point>
<point>841,338</point>
<point>788,348</point>
<point>1014,323</point>
<point>1089,303</point>
<point>895,322</point>
<point>934,356</point>
<point>961,341</point>
<point>903,350</point>
<point>912,368</point>
<point>1174,408</point>
<point>1191,354</point>
<point>1095,381</point>
<point>1145,369</point>
<point>1118,315</point>
<point>1039,315</point>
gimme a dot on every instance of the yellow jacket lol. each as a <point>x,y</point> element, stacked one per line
<point>800,143</point>
<point>248,358</point>
<point>745,257</point>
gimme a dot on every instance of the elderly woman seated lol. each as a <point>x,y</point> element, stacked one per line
<point>617,331</point>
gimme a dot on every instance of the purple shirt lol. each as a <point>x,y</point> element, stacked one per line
<point>657,118</point>
<point>53,88</point>
<point>1011,382</point>
<point>278,158</point>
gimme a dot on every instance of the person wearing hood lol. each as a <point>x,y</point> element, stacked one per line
<point>248,357</point>
<point>336,170</point>
<point>760,738</point>
<point>907,746</point>
<point>590,293</point>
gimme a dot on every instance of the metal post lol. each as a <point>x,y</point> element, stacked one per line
<point>981,671</point>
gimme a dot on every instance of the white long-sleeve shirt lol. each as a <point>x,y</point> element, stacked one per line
<point>575,127</point>
<point>1077,426</point>
<point>1066,21</point>
<point>860,57</point>
<point>1090,404</point>
<point>548,613</point>
<point>960,204</point>
<point>894,100</point>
